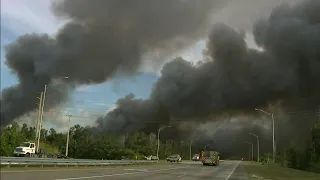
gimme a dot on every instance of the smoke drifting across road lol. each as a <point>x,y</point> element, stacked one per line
<point>237,79</point>
<point>102,37</point>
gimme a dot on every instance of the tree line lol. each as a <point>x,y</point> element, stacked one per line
<point>306,157</point>
<point>85,143</point>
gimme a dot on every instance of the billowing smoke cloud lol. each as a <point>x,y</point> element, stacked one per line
<point>237,79</point>
<point>228,135</point>
<point>101,38</point>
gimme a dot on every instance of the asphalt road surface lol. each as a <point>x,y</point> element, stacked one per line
<point>227,170</point>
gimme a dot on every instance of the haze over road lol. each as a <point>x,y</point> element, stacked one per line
<point>227,170</point>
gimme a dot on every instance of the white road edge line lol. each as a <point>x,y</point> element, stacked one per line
<point>123,174</point>
<point>233,170</point>
<point>142,170</point>
<point>184,174</point>
<point>53,170</point>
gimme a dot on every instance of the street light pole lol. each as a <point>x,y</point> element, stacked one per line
<point>190,150</point>
<point>159,139</point>
<point>258,145</point>
<point>319,115</point>
<point>273,134</point>
<point>191,147</point>
<point>251,149</point>
<point>273,140</point>
<point>68,135</point>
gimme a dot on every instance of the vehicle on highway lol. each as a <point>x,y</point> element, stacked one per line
<point>210,158</point>
<point>196,157</point>
<point>25,149</point>
<point>152,158</point>
<point>174,158</point>
<point>28,149</point>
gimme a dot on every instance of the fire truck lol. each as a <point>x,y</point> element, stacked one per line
<point>210,158</point>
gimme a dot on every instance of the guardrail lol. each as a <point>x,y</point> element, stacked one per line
<point>16,161</point>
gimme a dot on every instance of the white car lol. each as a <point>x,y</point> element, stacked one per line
<point>152,158</point>
<point>174,158</point>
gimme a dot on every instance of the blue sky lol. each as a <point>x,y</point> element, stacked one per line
<point>19,17</point>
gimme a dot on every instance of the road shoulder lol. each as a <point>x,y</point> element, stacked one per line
<point>275,171</point>
<point>89,173</point>
<point>238,173</point>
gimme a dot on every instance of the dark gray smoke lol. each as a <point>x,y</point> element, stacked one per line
<point>102,37</point>
<point>229,137</point>
<point>238,79</point>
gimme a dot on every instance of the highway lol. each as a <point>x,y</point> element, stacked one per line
<point>227,170</point>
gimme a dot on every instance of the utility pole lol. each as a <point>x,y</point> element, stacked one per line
<point>251,149</point>
<point>39,114</point>
<point>68,135</point>
<point>258,146</point>
<point>273,134</point>
<point>159,139</point>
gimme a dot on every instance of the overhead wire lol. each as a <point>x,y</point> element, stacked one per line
<point>310,113</point>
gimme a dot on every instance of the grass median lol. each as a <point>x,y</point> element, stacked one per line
<point>277,172</point>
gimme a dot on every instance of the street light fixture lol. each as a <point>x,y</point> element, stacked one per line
<point>251,149</point>
<point>258,145</point>
<point>273,134</point>
<point>160,129</point>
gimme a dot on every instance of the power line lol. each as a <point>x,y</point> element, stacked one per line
<point>79,107</point>
<point>303,111</point>
<point>310,113</point>
<point>91,115</point>
<point>97,102</point>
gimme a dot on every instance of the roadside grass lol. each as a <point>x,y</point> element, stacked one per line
<point>276,172</point>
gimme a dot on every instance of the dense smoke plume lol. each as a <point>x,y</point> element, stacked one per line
<point>102,37</point>
<point>237,79</point>
<point>229,134</point>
